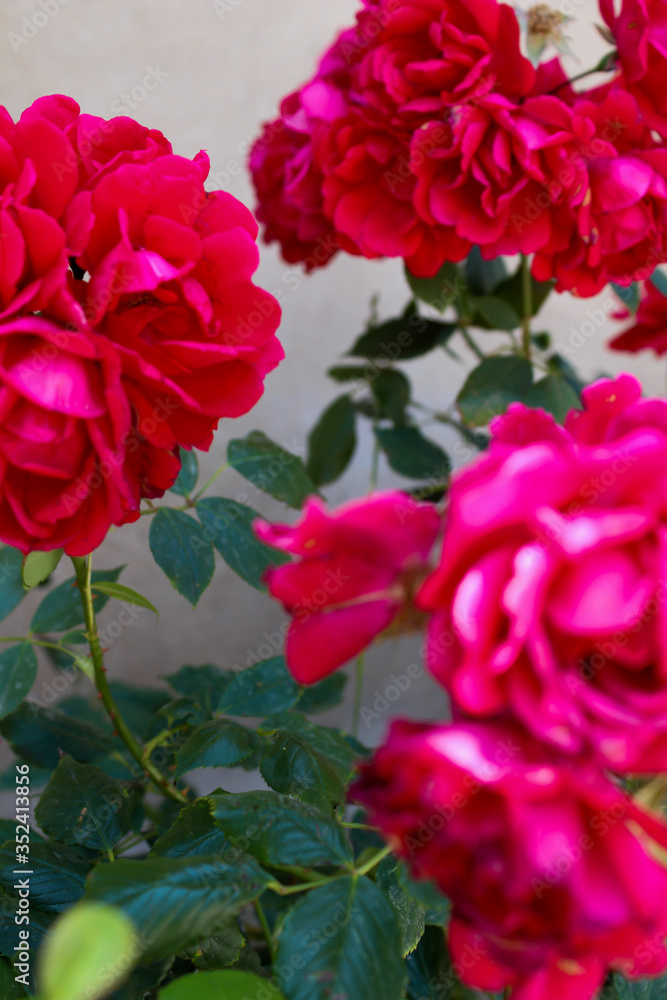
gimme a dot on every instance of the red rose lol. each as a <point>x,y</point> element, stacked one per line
<point>171,286</point>
<point>64,432</point>
<point>640,30</point>
<point>649,331</point>
<point>547,862</point>
<point>356,571</point>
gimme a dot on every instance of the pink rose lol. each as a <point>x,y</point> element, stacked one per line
<point>64,433</point>
<point>649,332</point>
<point>356,573</point>
<point>640,30</point>
<point>548,863</point>
<point>550,599</point>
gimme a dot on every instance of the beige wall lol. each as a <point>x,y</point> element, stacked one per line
<point>223,69</point>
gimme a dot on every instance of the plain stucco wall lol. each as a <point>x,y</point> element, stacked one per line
<point>224,68</point>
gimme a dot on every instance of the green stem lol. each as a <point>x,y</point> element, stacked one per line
<point>358,692</point>
<point>374,861</point>
<point>359,826</point>
<point>470,341</point>
<point>82,568</point>
<point>41,644</point>
<point>291,890</point>
<point>266,930</point>
<point>527,284</point>
<point>209,482</point>
<point>375,465</point>
<point>606,64</point>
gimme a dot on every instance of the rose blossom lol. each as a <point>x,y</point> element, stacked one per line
<point>356,574</point>
<point>34,198</point>
<point>335,170</point>
<point>171,286</point>
<point>650,328</point>
<point>640,31</point>
<point>550,599</point>
<point>548,864</point>
<point>64,434</point>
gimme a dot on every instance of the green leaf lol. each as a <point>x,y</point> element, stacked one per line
<point>401,339</point>
<point>217,952</point>
<point>187,477</point>
<point>122,593</point>
<point>229,525</point>
<point>324,695</point>
<point>640,989</point>
<point>271,468</point>
<point>18,670</point>
<point>61,609</point>
<point>630,295</point>
<point>280,831</point>
<point>89,950</point>
<point>553,394</point>
<point>411,454</point>
<point>437,907</point>
<point>392,392</point>
<point>81,805</point>
<point>260,690</point>
<point>332,442</point>
<point>38,567</point>
<point>182,550</point>
<point>38,735</point>
<point>659,280</point>
<point>496,313</point>
<point>347,942</point>
<point>492,386</point>
<point>206,683</point>
<point>483,276</point>
<point>350,373</point>
<point>177,902</point>
<point>9,988</point>
<point>221,743</point>
<point>511,291</point>
<point>144,980</point>
<point>12,590</point>
<point>58,873</point>
<point>195,833</point>
<point>310,762</point>
<point>230,985</point>
<point>409,912</point>
<point>440,291</point>
<point>430,976</point>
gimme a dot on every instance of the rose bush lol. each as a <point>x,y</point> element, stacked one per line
<point>519,844</point>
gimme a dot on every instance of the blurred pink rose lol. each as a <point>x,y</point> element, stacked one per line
<point>548,863</point>
<point>550,600</point>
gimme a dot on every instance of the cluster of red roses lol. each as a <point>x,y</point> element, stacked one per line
<point>425,131</point>
<point>129,324</point>
<point>547,625</point>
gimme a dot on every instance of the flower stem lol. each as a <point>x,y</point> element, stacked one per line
<point>209,482</point>
<point>527,284</point>
<point>291,890</point>
<point>358,692</point>
<point>470,341</point>
<point>266,930</point>
<point>82,568</point>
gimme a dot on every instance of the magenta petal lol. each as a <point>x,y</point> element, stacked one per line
<point>320,643</point>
